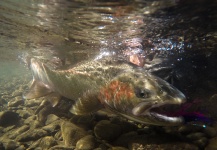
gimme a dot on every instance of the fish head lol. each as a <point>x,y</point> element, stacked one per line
<point>144,98</point>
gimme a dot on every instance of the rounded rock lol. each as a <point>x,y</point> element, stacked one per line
<point>124,139</point>
<point>71,133</point>
<point>30,119</point>
<point>127,126</point>
<point>16,102</point>
<point>60,147</point>
<point>201,142</point>
<point>186,129</point>
<point>212,144</point>
<point>84,121</point>
<point>18,131</point>
<point>8,118</point>
<point>106,130</point>
<point>195,136</point>
<point>51,118</point>
<point>86,143</point>
<point>11,145</point>
<point>47,142</point>
<point>210,131</point>
<point>117,148</point>
<point>24,113</point>
<point>31,135</point>
<point>17,93</point>
<point>2,101</point>
<point>53,127</point>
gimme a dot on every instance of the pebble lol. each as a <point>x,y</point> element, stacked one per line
<point>210,131</point>
<point>52,127</point>
<point>106,130</point>
<point>51,118</point>
<point>30,119</point>
<point>212,145</point>
<point>159,141</point>
<point>71,133</point>
<point>58,136</point>
<point>17,93</point>
<point>163,146</point>
<point>30,135</point>
<point>45,143</point>
<point>117,148</point>
<point>85,121</point>
<point>18,131</point>
<point>125,138</point>
<point>33,102</point>
<point>62,147</point>
<point>17,101</point>
<point>202,142</point>
<point>127,126</point>
<point>86,143</point>
<point>195,136</point>
<point>186,129</point>
<point>2,101</point>
<point>44,112</point>
<point>11,145</point>
<point>8,118</point>
<point>6,129</point>
<point>24,113</point>
<point>36,124</point>
<point>21,147</point>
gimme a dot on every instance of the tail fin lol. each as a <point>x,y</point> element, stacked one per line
<point>36,90</point>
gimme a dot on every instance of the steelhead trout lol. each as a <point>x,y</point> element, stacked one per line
<point>117,85</point>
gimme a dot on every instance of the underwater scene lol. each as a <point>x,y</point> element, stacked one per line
<point>108,75</point>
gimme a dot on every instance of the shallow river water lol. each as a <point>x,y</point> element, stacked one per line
<point>176,38</point>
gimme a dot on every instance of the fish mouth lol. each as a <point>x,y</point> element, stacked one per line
<point>170,114</point>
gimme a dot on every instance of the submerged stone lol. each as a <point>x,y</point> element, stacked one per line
<point>18,131</point>
<point>71,133</point>
<point>31,135</point>
<point>61,147</point>
<point>210,131</point>
<point>8,118</point>
<point>11,145</point>
<point>44,143</point>
<point>86,143</point>
<point>106,130</point>
<point>125,138</point>
<point>17,101</point>
<point>212,144</point>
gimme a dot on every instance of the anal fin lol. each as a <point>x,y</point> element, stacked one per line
<point>36,90</point>
<point>54,99</point>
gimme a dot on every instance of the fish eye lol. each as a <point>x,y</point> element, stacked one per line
<point>142,93</point>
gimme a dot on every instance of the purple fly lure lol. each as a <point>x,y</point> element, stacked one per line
<point>192,116</point>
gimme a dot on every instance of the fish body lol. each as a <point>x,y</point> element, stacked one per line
<point>117,85</point>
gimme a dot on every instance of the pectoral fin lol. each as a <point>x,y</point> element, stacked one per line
<point>87,104</point>
<point>36,90</point>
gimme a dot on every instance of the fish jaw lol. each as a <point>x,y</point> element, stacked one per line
<point>154,113</point>
<point>121,96</point>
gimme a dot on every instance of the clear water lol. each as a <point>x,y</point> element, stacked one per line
<point>181,34</point>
